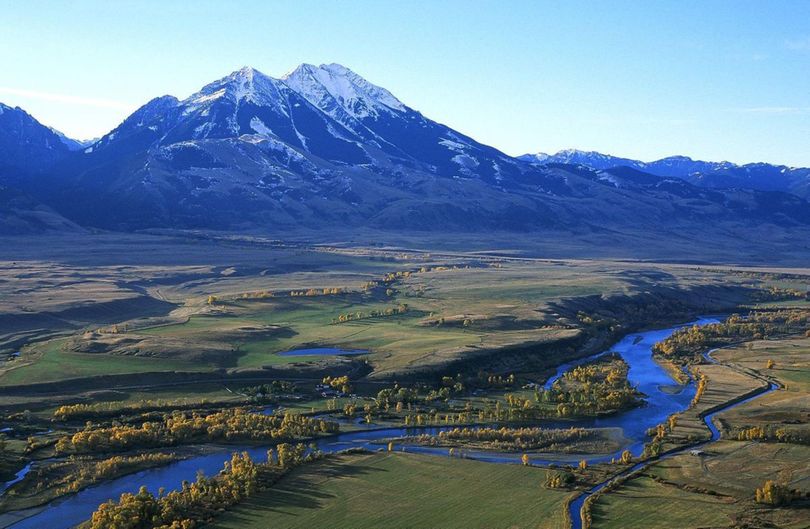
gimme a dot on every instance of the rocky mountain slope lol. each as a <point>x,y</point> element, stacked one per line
<point>324,149</point>
<point>26,146</point>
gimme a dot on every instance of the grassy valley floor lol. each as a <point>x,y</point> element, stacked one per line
<point>400,491</point>
<point>465,337</point>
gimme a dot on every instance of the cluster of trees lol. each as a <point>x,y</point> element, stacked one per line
<point>387,280</point>
<point>115,466</point>
<point>342,384</point>
<point>585,390</point>
<point>588,373</point>
<point>397,396</point>
<point>423,403</point>
<point>263,294</point>
<point>195,503</point>
<point>422,419</point>
<point>761,276</point>
<point>75,473</point>
<point>778,294</point>
<point>465,416</point>
<point>392,277</point>
<point>625,458</point>
<point>402,396</point>
<point>259,294</point>
<point>776,494</point>
<point>512,439</point>
<point>496,381</point>
<point>178,428</point>
<point>596,321</point>
<point>316,292</point>
<point>369,286</point>
<point>465,322</point>
<point>702,382</point>
<point>97,410</point>
<point>426,269</point>
<point>688,343</point>
<point>290,455</point>
<point>589,389</point>
<point>350,409</point>
<point>558,479</point>
<point>772,433</point>
<point>658,434</point>
<point>402,308</point>
<point>112,329</point>
<point>37,442</point>
<point>270,390</point>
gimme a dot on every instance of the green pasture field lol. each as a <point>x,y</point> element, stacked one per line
<point>645,504</point>
<point>402,491</point>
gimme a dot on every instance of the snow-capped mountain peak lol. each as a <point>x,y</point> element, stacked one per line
<point>592,159</point>
<point>244,85</point>
<point>333,86</point>
<point>539,157</point>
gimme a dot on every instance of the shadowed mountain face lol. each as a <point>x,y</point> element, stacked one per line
<point>26,146</point>
<point>22,215</point>
<point>324,149</point>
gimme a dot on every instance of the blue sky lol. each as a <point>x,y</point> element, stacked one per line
<point>711,79</point>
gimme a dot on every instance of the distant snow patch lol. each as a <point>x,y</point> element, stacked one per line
<point>465,161</point>
<point>609,178</point>
<point>453,145</point>
<point>259,126</point>
<point>203,130</point>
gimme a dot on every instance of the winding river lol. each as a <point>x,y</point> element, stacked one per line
<point>663,398</point>
<point>575,507</point>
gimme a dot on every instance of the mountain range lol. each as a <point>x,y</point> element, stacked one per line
<point>323,149</point>
<point>716,175</point>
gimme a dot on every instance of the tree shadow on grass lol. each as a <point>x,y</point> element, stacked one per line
<point>301,489</point>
